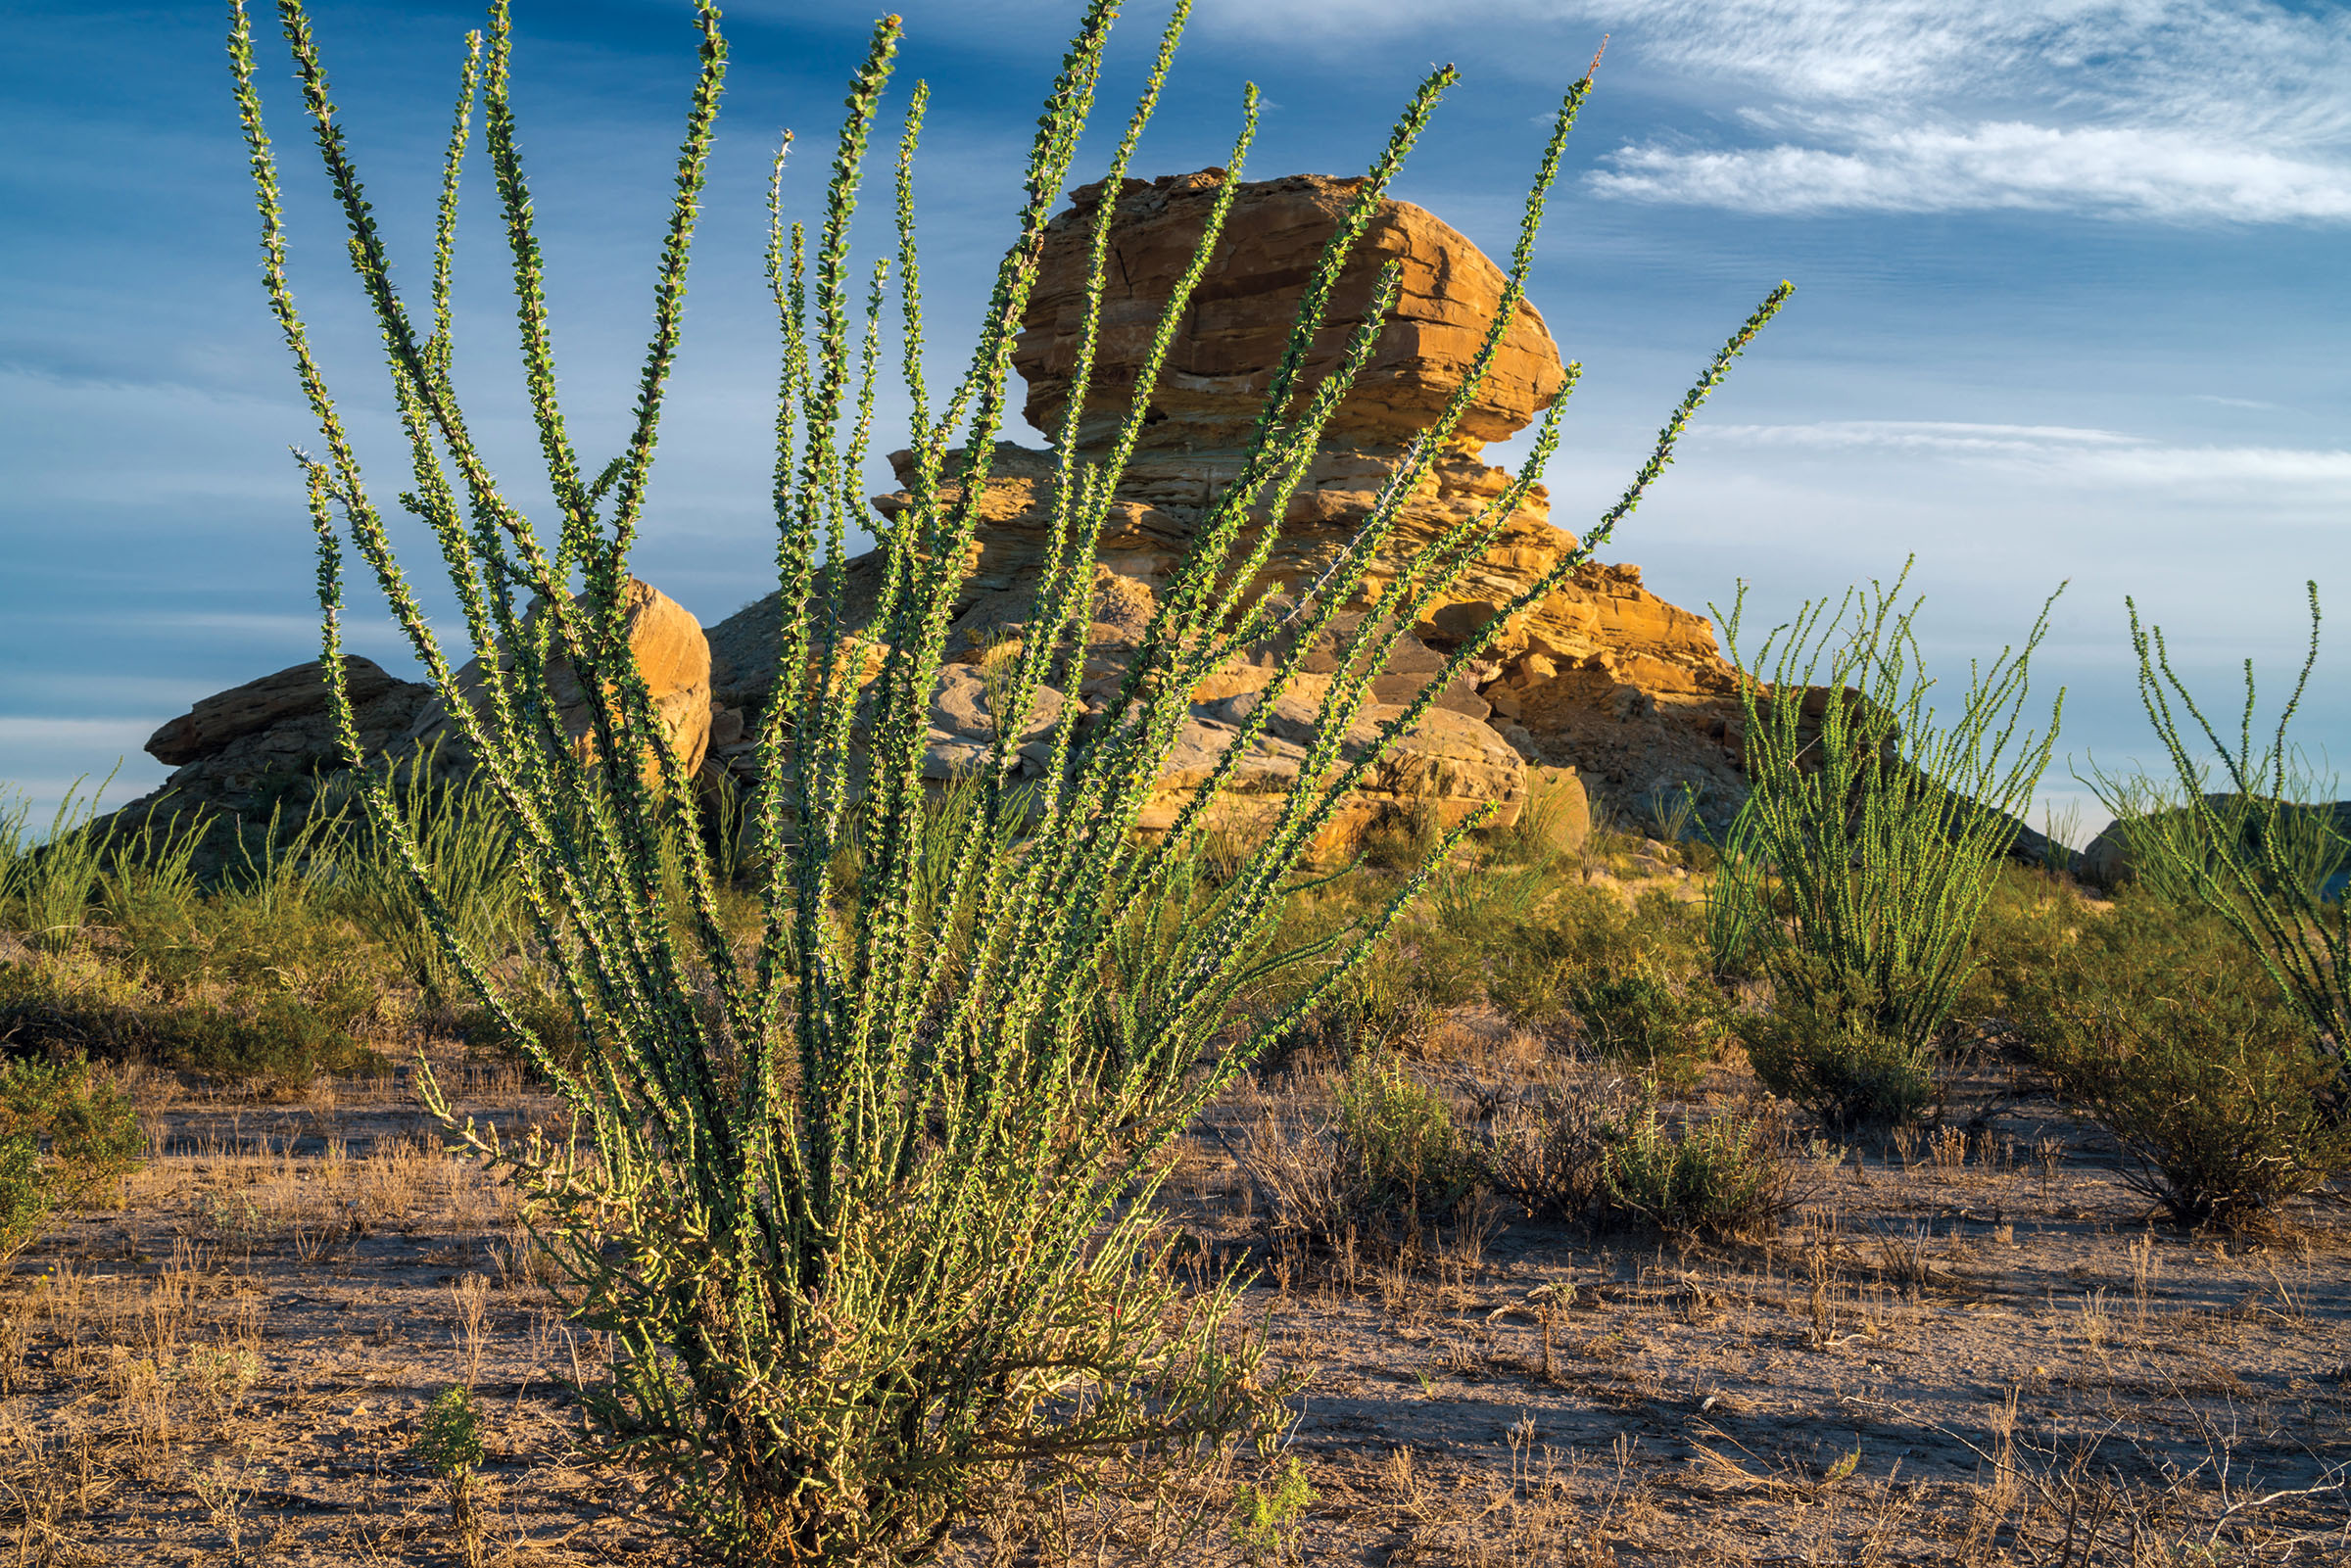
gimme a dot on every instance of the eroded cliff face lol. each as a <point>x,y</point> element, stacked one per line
<point>1602,676</point>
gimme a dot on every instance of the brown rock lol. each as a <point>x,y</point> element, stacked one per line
<point>1602,675</point>
<point>228,716</point>
<point>1240,320</point>
<point>671,656</point>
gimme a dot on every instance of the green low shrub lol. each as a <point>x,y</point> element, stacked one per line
<point>449,1444</point>
<point>1397,1144</point>
<point>1634,1016</point>
<point>2220,1103</point>
<point>1839,1063</point>
<point>1725,1175</point>
<point>1534,967</point>
<point>83,1003</point>
<point>2150,1020</point>
<point>65,1131</point>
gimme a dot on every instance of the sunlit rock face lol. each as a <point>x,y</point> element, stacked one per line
<point>1600,677</point>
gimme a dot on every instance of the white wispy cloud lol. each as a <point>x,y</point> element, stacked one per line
<point>2063,451</point>
<point>2121,171</point>
<point>2169,109</point>
<point>2162,110</point>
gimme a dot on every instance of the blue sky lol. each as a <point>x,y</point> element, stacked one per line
<point>2070,299</point>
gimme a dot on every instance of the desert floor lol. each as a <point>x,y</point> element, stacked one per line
<point>1967,1346</point>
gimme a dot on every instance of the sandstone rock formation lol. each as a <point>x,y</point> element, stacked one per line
<point>1603,677</point>
<point>672,656</point>
<point>1602,687</point>
<point>261,749</point>
<point>269,747</point>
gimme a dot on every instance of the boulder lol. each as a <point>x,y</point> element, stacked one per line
<point>1446,767</point>
<point>296,692</point>
<point>1602,676</point>
<point>1238,324</point>
<point>270,749</point>
<point>262,750</point>
<point>672,656</point>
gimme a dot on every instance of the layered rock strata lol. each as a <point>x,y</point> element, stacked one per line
<point>268,750</point>
<point>1600,685</point>
<point>1601,676</point>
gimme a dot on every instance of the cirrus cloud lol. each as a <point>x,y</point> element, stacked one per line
<point>2056,451</point>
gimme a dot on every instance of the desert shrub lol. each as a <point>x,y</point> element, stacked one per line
<point>284,1037</point>
<point>2027,932</point>
<point>90,1004</point>
<point>449,1444</point>
<point>1633,1016</point>
<point>65,1131</point>
<point>1386,1159</point>
<point>1535,967</point>
<point>1721,1175</point>
<point>2220,1103</point>
<point>1396,1143</point>
<point>863,1223</point>
<point>1837,1063</point>
<point>2151,1020</point>
<point>1546,1152</point>
<point>1855,874</point>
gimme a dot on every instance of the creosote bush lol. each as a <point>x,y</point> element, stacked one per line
<point>1547,1153</point>
<point>67,1131</point>
<point>2150,1020</point>
<point>1395,1141</point>
<point>2219,1104</point>
<point>1836,1061</point>
<point>1634,1016</point>
<point>862,1203</point>
<point>1719,1175</point>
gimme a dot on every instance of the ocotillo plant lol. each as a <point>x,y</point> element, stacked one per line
<point>2259,853</point>
<point>1854,873</point>
<point>872,1226</point>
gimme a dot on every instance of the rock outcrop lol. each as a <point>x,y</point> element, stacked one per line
<point>672,656</point>
<point>1601,689</point>
<point>268,748</point>
<point>1602,677</point>
<point>2110,860</point>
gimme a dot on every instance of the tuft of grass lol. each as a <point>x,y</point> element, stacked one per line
<point>1396,1143</point>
